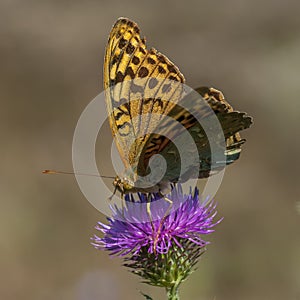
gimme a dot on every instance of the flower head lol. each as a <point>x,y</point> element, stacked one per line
<point>165,249</point>
<point>189,221</point>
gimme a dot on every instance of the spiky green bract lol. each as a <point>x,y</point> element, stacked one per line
<point>166,270</point>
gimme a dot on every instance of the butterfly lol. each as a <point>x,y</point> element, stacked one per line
<point>148,109</point>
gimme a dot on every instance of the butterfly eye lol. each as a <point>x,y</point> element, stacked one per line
<point>117,181</point>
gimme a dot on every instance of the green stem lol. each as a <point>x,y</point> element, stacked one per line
<point>173,293</point>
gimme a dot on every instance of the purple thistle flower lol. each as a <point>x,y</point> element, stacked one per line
<point>188,220</point>
<point>164,250</point>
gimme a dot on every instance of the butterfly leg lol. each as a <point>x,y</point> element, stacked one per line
<point>114,192</point>
<point>162,222</point>
<point>149,210</point>
<point>122,197</point>
<point>154,234</point>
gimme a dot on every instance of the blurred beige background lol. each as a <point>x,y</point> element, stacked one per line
<point>51,56</point>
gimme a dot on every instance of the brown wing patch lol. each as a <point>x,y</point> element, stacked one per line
<point>231,122</point>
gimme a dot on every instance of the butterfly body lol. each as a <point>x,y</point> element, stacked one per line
<point>127,186</point>
<point>151,114</point>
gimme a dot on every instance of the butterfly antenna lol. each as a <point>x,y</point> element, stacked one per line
<point>74,173</point>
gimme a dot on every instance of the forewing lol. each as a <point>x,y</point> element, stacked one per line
<point>137,84</point>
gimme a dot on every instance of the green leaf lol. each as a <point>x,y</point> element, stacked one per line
<point>146,296</point>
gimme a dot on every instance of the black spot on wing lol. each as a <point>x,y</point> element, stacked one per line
<point>130,49</point>
<point>161,70</point>
<point>130,72</point>
<point>122,43</point>
<point>135,60</point>
<point>143,72</point>
<point>119,77</point>
<point>172,69</point>
<point>142,50</point>
<point>151,60</point>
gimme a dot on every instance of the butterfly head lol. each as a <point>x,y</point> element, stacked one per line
<point>124,185</point>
